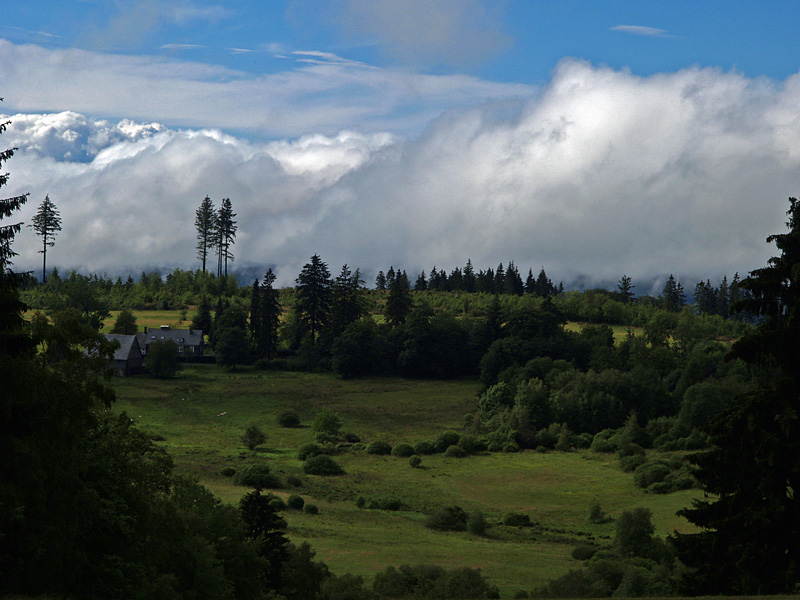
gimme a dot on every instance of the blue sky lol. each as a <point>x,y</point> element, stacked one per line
<point>593,138</point>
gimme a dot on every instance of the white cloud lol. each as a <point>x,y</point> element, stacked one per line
<point>313,98</point>
<point>641,30</point>
<point>603,173</point>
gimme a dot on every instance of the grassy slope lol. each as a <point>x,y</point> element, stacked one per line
<point>554,489</point>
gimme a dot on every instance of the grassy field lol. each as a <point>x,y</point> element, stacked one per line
<point>202,414</point>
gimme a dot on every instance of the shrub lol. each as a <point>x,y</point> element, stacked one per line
<point>402,450</point>
<point>516,519</point>
<point>361,502</point>
<point>294,481</point>
<point>630,463</point>
<point>379,447</point>
<point>468,444</point>
<point>229,471</point>
<point>649,473</point>
<point>277,504</point>
<point>596,513</point>
<point>289,419</point>
<point>455,452</point>
<point>352,438</point>
<point>309,450</point>
<point>447,439</point>
<point>311,509</point>
<point>423,448</point>
<point>476,524</point>
<point>322,465</point>
<point>449,518</point>
<point>384,504</point>
<point>327,421</point>
<point>520,595</point>
<point>253,437</point>
<point>660,487</point>
<point>604,441</point>
<point>415,461</point>
<point>630,449</point>
<point>325,438</point>
<point>511,447</point>
<point>257,476</point>
<point>583,552</point>
<point>295,502</point>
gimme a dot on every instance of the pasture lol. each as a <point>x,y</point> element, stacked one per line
<point>201,415</point>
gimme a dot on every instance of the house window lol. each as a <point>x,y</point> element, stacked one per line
<point>180,340</point>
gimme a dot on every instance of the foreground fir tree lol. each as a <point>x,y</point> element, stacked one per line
<point>314,296</point>
<point>750,543</point>
<point>204,221</point>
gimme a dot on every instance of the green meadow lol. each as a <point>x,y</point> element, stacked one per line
<point>200,417</point>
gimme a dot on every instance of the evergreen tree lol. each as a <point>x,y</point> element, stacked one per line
<point>544,287</point>
<point>625,287</point>
<point>673,296</point>
<point>205,222</point>
<point>750,534</point>
<point>380,282</point>
<point>225,233</point>
<point>455,281</point>
<point>314,296</point>
<point>348,303</point>
<point>723,303</point>
<point>270,315</point>
<point>705,297</point>
<point>468,277</point>
<point>46,222</point>
<point>530,283</point>
<point>499,279</point>
<point>421,284</point>
<point>399,302</point>
<point>202,318</point>
<point>125,323</point>
<point>255,312</point>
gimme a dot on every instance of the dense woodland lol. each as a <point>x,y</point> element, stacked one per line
<point>90,506</point>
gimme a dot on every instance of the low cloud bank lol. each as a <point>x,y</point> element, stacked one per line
<point>603,173</point>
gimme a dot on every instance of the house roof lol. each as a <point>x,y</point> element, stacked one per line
<point>127,343</point>
<point>184,337</point>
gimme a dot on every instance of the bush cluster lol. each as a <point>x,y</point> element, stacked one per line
<point>432,582</point>
<point>257,476</point>
<point>322,464</point>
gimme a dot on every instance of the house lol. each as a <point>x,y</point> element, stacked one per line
<point>188,341</point>
<point>128,357</point>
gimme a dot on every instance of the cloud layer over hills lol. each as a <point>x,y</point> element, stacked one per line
<point>601,173</point>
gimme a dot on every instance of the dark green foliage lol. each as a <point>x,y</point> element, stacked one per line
<point>649,473</point>
<point>161,359</point>
<point>46,223</point>
<point>423,448</point>
<point>596,514</point>
<point>448,518</point>
<point>455,452</point>
<point>277,504</point>
<point>311,509</point>
<point>445,440</point>
<point>265,315</point>
<point>313,297</point>
<point>228,471</point>
<point>232,346</point>
<point>125,323</point>
<point>253,437</point>
<point>583,552</point>
<point>309,450</point>
<point>327,422</point>
<point>379,447</point>
<point>390,504</point>
<point>257,476</point>
<point>202,318</point>
<point>516,519</point>
<point>205,223</point>
<point>361,349</point>
<point>295,502</point>
<point>361,502</point>
<point>432,582</point>
<point>399,302</point>
<point>322,465</point>
<point>402,450</point>
<point>476,524</point>
<point>415,461</point>
<point>289,419</point>
<point>294,481</point>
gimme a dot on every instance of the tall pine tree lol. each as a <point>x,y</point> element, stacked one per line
<point>46,223</point>
<point>314,296</point>
<point>205,221</point>
<point>750,533</point>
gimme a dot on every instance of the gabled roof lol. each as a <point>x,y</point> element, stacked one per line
<point>182,337</point>
<point>127,343</point>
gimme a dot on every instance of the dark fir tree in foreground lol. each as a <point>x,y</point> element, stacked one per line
<point>46,222</point>
<point>750,543</point>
